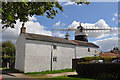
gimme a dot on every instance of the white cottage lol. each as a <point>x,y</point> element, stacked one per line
<point>36,53</point>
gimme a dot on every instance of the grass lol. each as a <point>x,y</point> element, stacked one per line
<point>3,68</point>
<point>80,78</point>
<point>51,72</point>
<point>70,78</point>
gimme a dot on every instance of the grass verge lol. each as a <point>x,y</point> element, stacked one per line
<point>70,78</point>
<point>51,72</point>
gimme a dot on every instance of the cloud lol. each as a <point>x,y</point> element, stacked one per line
<point>31,27</point>
<point>57,24</point>
<point>58,33</point>
<point>115,17</point>
<point>100,24</point>
<point>107,44</point>
<point>32,18</point>
<point>70,3</point>
<point>74,25</point>
<point>115,14</point>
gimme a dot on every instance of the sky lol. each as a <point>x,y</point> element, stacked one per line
<point>96,14</point>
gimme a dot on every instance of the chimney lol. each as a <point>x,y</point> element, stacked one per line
<point>23,29</point>
<point>67,36</point>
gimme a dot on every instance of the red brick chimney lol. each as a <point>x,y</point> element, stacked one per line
<point>23,29</point>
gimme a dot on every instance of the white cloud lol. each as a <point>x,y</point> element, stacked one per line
<point>91,0</point>
<point>115,14</point>
<point>31,27</point>
<point>57,24</point>
<point>107,44</point>
<point>100,24</point>
<point>32,18</point>
<point>115,17</point>
<point>59,34</point>
<point>74,25</point>
<point>70,3</point>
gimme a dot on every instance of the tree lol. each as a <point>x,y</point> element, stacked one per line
<point>116,50</point>
<point>8,54</point>
<point>12,11</point>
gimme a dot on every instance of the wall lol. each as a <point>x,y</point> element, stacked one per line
<point>83,51</point>
<point>64,53</point>
<point>20,53</point>
<point>38,56</point>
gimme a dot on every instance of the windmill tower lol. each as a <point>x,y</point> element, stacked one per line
<point>80,32</point>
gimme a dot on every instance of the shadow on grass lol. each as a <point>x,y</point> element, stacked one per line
<point>8,71</point>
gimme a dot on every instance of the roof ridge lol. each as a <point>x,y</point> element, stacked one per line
<point>46,36</point>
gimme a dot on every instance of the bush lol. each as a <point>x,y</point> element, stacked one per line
<point>96,69</point>
<point>106,59</point>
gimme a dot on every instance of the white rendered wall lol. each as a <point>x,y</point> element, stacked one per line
<point>20,53</point>
<point>38,56</point>
<point>64,53</point>
<point>83,51</point>
<point>35,56</point>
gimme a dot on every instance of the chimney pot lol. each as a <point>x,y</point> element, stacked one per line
<point>23,29</point>
<point>67,36</point>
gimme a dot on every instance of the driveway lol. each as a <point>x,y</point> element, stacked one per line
<point>6,75</point>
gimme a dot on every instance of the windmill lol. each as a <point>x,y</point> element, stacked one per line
<point>80,32</point>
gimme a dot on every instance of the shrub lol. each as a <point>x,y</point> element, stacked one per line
<point>106,59</point>
<point>96,69</point>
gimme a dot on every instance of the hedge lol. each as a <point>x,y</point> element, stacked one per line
<point>106,59</point>
<point>96,69</point>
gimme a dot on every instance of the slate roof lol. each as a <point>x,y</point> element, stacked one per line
<point>86,44</point>
<point>39,37</point>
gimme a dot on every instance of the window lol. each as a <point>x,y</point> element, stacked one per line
<point>54,47</point>
<point>95,51</point>
<point>88,49</point>
<point>55,59</point>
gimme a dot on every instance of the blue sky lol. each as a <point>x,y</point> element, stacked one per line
<point>96,13</point>
<point>83,13</point>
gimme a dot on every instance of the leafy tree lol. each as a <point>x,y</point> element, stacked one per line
<point>8,48</point>
<point>12,11</point>
<point>8,53</point>
<point>115,48</point>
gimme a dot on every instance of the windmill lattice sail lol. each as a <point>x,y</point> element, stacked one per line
<point>80,32</point>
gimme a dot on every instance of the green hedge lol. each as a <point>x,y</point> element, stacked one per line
<point>106,59</point>
<point>96,69</point>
